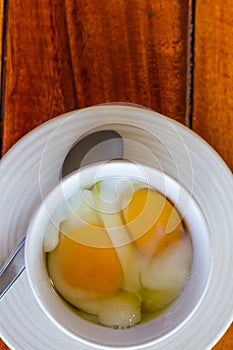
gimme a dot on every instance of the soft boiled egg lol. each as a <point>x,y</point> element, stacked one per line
<point>89,277</point>
<point>120,252</point>
<point>153,221</point>
<point>78,266</point>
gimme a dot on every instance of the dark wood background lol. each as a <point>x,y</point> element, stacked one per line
<point>174,56</point>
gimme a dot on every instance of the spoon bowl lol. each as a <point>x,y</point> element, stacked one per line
<point>98,146</point>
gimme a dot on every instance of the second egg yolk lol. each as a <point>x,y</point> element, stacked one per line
<point>153,221</point>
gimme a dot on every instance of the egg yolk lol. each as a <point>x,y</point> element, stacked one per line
<point>153,221</point>
<point>85,266</point>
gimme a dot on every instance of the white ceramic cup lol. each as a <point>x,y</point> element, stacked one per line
<point>141,335</point>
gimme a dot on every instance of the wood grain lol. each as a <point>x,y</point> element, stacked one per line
<point>213,75</point>
<point>63,55</point>
<point>226,342</point>
<point>3,346</point>
<point>213,86</point>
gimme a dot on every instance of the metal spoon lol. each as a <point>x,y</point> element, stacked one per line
<point>99,146</point>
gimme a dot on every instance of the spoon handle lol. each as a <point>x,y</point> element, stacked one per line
<point>12,269</point>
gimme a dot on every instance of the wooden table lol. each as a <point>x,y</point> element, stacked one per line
<point>173,56</point>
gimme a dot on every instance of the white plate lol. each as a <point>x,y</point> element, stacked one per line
<point>32,168</point>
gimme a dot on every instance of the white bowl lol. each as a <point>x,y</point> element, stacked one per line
<point>141,335</point>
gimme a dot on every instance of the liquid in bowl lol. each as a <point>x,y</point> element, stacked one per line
<point>121,256</point>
